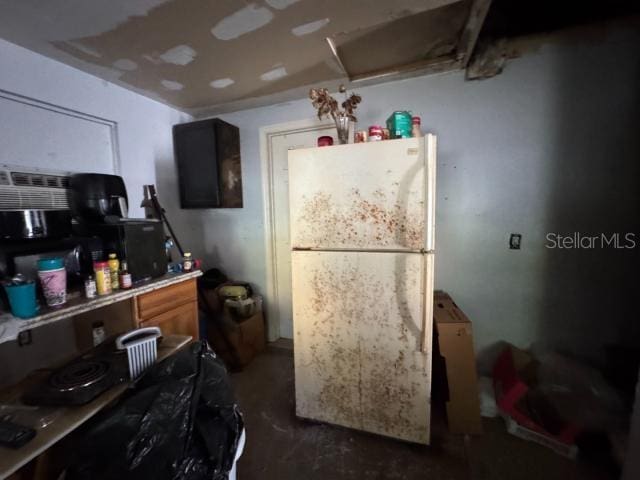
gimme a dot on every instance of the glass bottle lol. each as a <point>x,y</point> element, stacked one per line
<point>125,276</point>
<point>187,262</point>
<point>416,131</point>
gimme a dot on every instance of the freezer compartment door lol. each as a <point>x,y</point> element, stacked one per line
<point>360,327</point>
<point>364,196</point>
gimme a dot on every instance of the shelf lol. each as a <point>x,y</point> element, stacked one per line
<point>11,326</point>
<point>70,418</point>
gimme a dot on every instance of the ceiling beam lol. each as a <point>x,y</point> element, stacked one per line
<point>471,32</point>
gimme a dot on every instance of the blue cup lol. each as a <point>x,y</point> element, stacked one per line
<point>22,298</point>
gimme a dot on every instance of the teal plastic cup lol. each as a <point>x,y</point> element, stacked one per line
<point>22,299</point>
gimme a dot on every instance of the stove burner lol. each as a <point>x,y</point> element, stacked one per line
<point>80,374</point>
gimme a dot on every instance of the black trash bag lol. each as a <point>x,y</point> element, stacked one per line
<point>180,421</point>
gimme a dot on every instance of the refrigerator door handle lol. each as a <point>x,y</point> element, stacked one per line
<point>427,289</point>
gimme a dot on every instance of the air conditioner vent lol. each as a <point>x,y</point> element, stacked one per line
<point>22,189</point>
<point>12,198</point>
<point>37,181</point>
<point>25,179</point>
<point>21,179</point>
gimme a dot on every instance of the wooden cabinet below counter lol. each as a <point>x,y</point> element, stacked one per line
<point>174,309</point>
<point>181,320</point>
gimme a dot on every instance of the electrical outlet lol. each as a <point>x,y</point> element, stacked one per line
<point>514,241</point>
<point>24,338</point>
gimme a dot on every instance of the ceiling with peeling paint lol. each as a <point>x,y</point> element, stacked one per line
<point>196,54</point>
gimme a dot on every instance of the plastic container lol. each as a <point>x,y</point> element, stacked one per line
<point>399,124</point>
<point>325,141</point>
<point>53,278</point>
<point>103,277</point>
<point>22,299</point>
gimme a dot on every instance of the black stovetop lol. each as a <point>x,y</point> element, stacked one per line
<point>82,379</point>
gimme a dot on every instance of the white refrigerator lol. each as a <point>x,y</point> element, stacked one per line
<point>362,235</point>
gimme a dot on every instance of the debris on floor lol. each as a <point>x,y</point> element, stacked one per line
<point>559,402</point>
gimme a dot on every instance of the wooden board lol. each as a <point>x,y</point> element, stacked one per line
<point>359,332</point>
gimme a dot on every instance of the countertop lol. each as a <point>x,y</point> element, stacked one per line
<point>11,326</point>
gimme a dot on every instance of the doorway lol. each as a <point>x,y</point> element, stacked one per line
<point>275,142</point>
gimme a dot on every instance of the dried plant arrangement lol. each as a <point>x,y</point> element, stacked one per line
<point>327,106</point>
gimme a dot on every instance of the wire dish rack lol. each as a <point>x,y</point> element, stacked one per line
<point>142,349</point>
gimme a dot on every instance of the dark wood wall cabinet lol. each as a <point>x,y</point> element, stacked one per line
<point>207,153</point>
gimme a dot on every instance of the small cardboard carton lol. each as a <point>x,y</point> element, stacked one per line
<point>455,340</point>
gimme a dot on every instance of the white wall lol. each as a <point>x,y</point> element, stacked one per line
<point>550,145</point>
<point>145,149</point>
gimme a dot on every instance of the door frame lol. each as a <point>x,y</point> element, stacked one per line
<point>267,134</point>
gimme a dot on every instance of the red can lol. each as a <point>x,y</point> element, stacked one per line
<point>325,141</point>
<point>375,133</point>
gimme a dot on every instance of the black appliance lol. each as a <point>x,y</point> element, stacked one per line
<point>99,204</point>
<point>83,379</point>
<point>21,257</point>
<point>34,223</point>
<point>97,197</point>
<point>140,242</point>
<point>207,153</point>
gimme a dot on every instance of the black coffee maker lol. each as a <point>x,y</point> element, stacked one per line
<point>99,205</point>
<point>98,198</point>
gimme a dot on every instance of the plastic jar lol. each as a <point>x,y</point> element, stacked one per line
<point>53,278</point>
<point>114,270</point>
<point>103,277</point>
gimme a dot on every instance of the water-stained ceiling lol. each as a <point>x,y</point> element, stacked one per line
<point>197,54</point>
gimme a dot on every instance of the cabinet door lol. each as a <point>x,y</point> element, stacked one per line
<point>159,301</point>
<point>182,320</point>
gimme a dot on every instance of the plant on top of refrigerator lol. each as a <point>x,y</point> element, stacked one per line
<point>327,106</point>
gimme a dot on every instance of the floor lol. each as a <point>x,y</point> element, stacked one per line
<point>281,446</point>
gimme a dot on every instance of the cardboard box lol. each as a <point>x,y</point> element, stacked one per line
<point>455,339</point>
<point>247,337</point>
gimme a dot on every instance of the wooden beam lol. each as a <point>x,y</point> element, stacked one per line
<point>469,37</point>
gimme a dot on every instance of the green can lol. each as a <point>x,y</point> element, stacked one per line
<point>399,124</point>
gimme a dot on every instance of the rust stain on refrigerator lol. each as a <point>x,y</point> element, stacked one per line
<point>370,219</point>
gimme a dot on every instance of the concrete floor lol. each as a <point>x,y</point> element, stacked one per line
<point>281,446</point>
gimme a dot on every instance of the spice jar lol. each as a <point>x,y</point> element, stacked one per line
<point>90,287</point>
<point>187,262</point>
<point>103,277</point>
